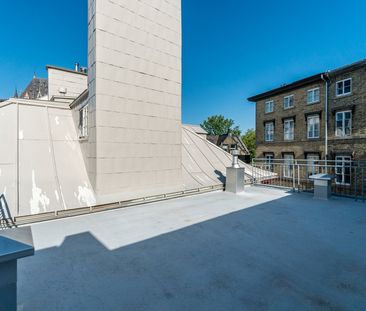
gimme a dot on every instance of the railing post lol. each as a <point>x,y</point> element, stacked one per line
<point>298,178</point>
<point>294,176</point>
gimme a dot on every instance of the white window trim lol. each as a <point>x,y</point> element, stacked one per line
<point>293,101</point>
<point>269,159</point>
<point>343,126</point>
<point>288,165</point>
<point>314,101</point>
<point>265,106</point>
<point>265,132</point>
<point>83,122</point>
<point>307,121</point>
<point>343,160</point>
<point>344,94</point>
<point>293,130</point>
<point>311,166</point>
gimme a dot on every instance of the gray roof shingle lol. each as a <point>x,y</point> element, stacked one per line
<point>37,88</point>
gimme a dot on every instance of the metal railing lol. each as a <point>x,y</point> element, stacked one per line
<point>349,176</point>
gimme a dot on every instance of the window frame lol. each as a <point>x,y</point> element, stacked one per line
<point>343,112</point>
<point>269,160</point>
<point>292,138</point>
<point>340,169</point>
<point>272,131</point>
<point>313,101</point>
<point>271,102</point>
<point>83,122</point>
<point>311,166</point>
<point>308,126</point>
<point>289,97</point>
<point>343,92</point>
<point>288,165</point>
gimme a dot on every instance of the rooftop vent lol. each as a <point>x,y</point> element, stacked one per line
<point>62,90</point>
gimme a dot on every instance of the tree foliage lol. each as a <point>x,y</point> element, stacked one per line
<point>249,139</point>
<point>219,125</point>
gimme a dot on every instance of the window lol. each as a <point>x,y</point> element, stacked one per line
<point>344,87</point>
<point>288,101</point>
<point>269,161</point>
<point>343,170</point>
<point>343,123</point>
<point>288,129</point>
<point>233,147</point>
<point>312,161</point>
<point>313,126</point>
<point>225,147</point>
<point>269,130</point>
<point>313,96</point>
<point>83,122</point>
<point>269,106</point>
<point>288,165</point>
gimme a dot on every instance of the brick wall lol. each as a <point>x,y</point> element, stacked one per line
<point>301,145</point>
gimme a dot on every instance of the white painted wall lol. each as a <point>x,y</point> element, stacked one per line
<point>135,95</point>
<point>73,82</point>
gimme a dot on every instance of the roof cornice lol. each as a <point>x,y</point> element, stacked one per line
<point>66,70</point>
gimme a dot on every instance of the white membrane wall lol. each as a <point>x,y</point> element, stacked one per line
<point>134,96</point>
<point>41,164</point>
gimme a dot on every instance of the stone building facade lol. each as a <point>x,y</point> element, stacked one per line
<point>319,117</point>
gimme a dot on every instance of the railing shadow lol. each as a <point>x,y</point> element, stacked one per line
<point>6,221</point>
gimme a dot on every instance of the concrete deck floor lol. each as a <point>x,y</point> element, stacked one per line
<point>263,250</point>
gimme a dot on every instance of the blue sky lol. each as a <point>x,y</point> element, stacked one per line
<point>231,49</point>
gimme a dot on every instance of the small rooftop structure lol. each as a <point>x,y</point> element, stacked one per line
<point>197,129</point>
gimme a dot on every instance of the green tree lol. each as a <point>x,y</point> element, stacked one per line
<point>249,139</point>
<point>219,125</point>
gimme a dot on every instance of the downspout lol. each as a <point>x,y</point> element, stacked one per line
<point>325,78</point>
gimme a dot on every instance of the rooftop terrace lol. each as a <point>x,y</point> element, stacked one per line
<point>266,249</point>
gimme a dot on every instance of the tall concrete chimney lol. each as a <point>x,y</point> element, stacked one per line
<point>134,68</point>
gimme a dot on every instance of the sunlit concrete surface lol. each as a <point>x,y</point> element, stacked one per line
<point>266,249</point>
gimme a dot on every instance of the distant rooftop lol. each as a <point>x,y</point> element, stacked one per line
<point>37,88</point>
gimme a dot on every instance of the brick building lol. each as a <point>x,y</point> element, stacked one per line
<point>319,117</point>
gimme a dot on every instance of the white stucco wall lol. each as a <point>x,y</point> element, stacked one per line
<point>135,95</point>
<point>73,82</point>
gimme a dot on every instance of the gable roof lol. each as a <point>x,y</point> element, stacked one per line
<point>37,88</point>
<point>219,139</point>
<point>287,87</point>
<point>308,80</point>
